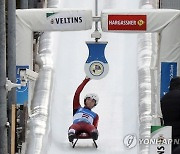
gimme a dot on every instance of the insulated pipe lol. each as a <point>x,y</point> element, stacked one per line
<point>151,3</point>
<point>42,94</point>
<point>53,3</point>
<point>144,59</point>
<point>146,48</point>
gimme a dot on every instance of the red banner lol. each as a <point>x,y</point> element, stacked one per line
<point>127,22</point>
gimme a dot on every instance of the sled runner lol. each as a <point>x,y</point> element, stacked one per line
<point>84,136</point>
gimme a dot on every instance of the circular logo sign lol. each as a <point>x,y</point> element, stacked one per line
<point>96,68</point>
<point>140,22</point>
<point>130,141</point>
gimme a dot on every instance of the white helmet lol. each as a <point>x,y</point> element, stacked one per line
<point>92,96</point>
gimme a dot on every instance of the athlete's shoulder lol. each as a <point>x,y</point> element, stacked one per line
<point>95,113</point>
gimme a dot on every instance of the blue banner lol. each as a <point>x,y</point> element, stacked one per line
<point>21,92</point>
<point>168,71</point>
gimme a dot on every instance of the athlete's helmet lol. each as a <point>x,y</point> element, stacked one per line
<point>92,96</point>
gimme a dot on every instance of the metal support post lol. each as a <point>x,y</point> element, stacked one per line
<point>3,102</point>
<point>96,34</point>
<point>11,59</point>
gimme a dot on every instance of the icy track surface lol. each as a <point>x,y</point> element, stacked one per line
<point>118,91</point>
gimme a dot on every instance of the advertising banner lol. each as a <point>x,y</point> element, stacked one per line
<point>136,21</point>
<point>161,139</point>
<point>21,92</point>
<point>168,71</point>
<point>69,20</point>
<point>53,19</point>
<point>127,22</point>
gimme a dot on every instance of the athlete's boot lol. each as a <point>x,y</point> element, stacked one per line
<point>71,136</point>
<point>94,134</point>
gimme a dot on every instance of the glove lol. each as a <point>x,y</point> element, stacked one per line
<point>87,78</point>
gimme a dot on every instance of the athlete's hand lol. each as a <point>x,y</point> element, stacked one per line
<point>87,78</point>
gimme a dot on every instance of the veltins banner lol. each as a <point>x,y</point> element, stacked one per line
<point>161,140</point>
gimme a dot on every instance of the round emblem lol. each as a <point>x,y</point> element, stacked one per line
<point>96,69</point>
<point>130,141</point>
<point>140,22</point>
